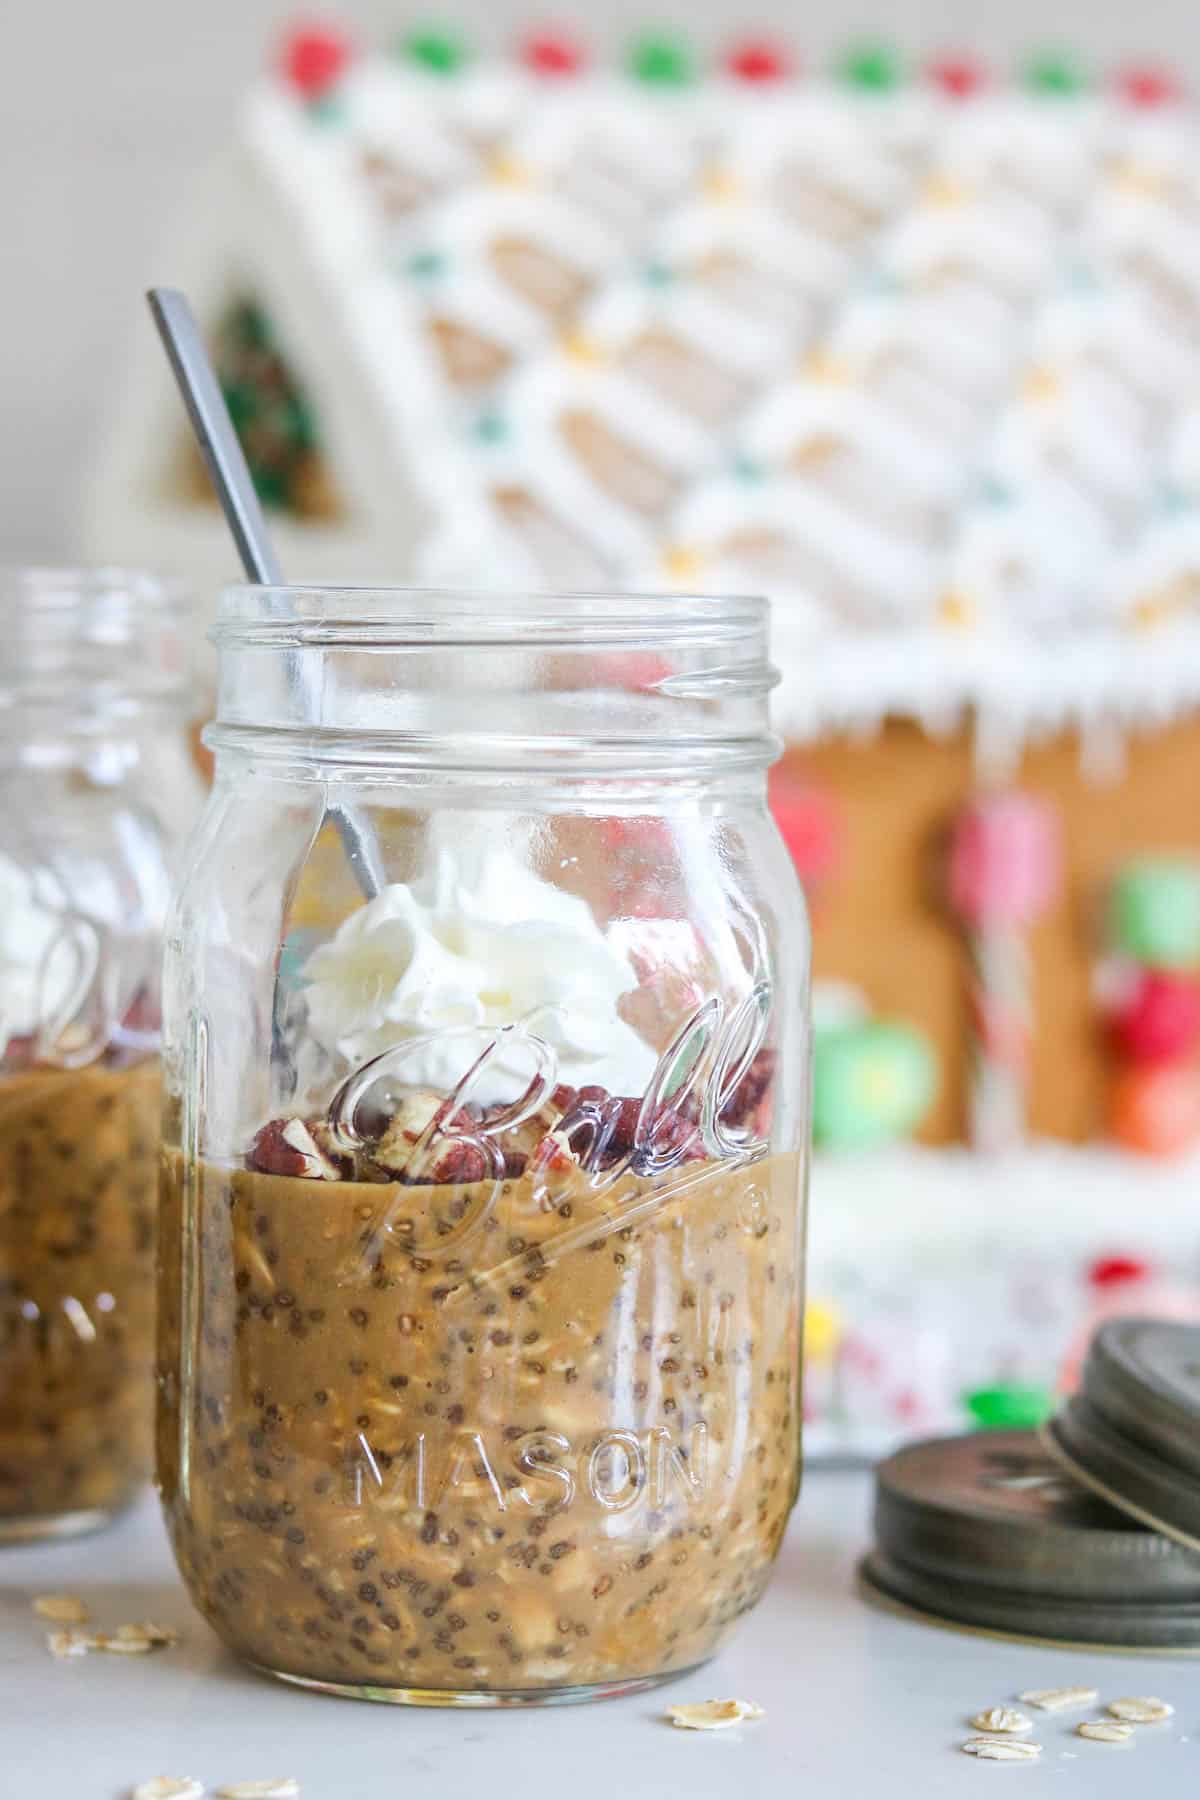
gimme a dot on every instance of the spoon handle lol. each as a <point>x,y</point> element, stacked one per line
<point>215,435</point>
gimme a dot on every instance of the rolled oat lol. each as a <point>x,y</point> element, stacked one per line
<point>1059,1699</point>
<point>713,1715</point>
<point>1105,1731</point>
<point>121,1643</point>
<point>64,1609</point>
<point>159,1636</point>
<point>169,1787</point>
<point>1141,1709</point>
<point>1002,1749</point>
<point>281,1787</point>
<point>1000,1719</point>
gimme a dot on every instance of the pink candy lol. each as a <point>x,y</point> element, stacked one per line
<point>1005,863</point>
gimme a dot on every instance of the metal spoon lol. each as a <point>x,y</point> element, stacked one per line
<point>231,478</point>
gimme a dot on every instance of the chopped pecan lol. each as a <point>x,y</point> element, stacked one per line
<point>287,1147</point>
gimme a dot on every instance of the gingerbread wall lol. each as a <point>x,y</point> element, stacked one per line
<point>882,924</point>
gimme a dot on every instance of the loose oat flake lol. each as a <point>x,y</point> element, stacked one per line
<point>283,1787</point>
<point>1002,1749</point>
<point>1105,1731</point>
<point>169,1787</point>
<point>128,1641</point>
<point>159,1636</point>
<point>64,1609</point>
<point>1000,1719</point>
<point>713,1715</point>
<point>69,1643</point>
<point>1059,1699</point>
<point>1141,1710</point>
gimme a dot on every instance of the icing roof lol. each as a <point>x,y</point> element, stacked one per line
<point>922,367</point>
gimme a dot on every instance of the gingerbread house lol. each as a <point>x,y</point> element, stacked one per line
<point>918,354</point>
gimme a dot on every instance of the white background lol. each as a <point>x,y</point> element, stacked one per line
<point>109,108</point>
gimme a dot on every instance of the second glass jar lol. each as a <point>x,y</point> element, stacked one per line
<point>96,780</point>
<point>486,1065</point>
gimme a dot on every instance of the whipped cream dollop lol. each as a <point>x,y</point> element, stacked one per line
<point>478,941</point>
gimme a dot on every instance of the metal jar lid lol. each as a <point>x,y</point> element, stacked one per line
<point>985,1531</point>
<point>1132,1433</point>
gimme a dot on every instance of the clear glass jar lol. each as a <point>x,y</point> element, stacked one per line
<point>96,783</point>
<point>480,1295</point>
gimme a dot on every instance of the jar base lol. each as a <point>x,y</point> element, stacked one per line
<point>413,1696</point>
<point>34,1529</point>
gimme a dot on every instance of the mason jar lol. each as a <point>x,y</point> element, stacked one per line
<point>486,1067</point>
<point>96,782</point>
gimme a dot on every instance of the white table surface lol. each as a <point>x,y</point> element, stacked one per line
<point>859,1704</point>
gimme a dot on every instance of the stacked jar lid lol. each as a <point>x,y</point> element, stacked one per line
<point>1085,1533</point>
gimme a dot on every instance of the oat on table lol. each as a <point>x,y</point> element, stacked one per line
<point>1141,1709</point>
<point>64,1609</point>
<point>713,1715</point>
<point>999,1719</point>
<point>279,1787</point>
<point>1105,1731</point>
<point>1002,1749</point>
<point>1059,1699</point>
<point>158,1636</point>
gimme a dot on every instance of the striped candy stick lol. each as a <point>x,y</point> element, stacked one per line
<point>1004,873</point>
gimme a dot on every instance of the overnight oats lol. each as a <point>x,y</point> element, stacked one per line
<point>89,748</point>
<point>482,1200</point>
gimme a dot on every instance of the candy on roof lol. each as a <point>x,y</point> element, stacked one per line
<point>910,348</point>
<point>314,59</point>
<point>437,48</point>
<point>959,76</point>
<point>760,60</point>
<point>554,53</point>
<point>663,60</point>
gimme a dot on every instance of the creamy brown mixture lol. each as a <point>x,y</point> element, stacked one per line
<point>461,1437</point>
<point>78,1160</point>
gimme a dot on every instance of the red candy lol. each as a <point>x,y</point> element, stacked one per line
<point>958,76</point>
<point>1149,86</point>
<point>1156,1110</point>
<point>758,60</point>
<point>315,59</point>
<point>809,823</point>
<point>1159,1020</point>
<point>553,53</point>
<point>1117,1271</point>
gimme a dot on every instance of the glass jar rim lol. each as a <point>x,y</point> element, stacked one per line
<point>311,613</point>
<point>56,588</point>
<point>109,639</point>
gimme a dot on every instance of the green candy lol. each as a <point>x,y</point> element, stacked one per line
<point>426,265</point>
<point>872,66</point>
<point>441,51</point>
<point>1009,1407</point>
<point>662,61</point>
<point>872,1083</point>
<point>1054,74</point>
<point>490,428</point>
<point>1154,913</point>
<point>326,109</point>
<point>748,469</point>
